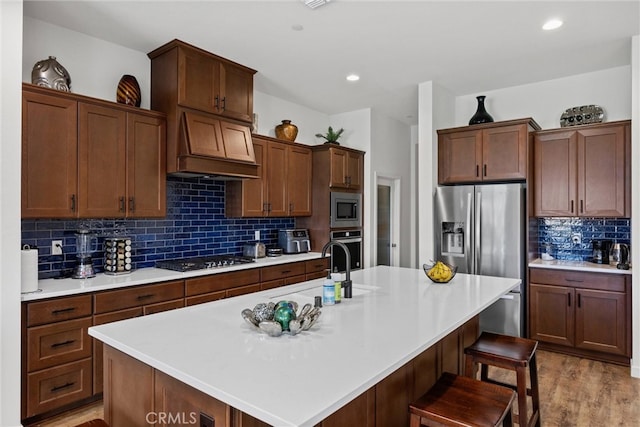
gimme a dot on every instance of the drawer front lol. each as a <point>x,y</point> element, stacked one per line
<point>55,387</point>
<point>202,298</point>
<point>163,306</point>
<point>579,279</point>
<point>137,296</point>
<point>283,271</point>
<point>295,279</point>
<point>221,282</point>
<point>58,343</point>
<point>243,290</point>
<point>57,310</point>
<point>317,265</point>
<point>271,284</point>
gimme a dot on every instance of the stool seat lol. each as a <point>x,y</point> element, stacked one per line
<point>508,352</point>
<point>460,401</point>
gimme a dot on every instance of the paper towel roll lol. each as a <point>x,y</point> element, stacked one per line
<point>29,265</point>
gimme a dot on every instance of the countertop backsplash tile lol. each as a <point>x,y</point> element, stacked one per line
<point>195,225</point>
<point>560,232</point>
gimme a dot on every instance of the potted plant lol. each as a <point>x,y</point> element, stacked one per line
<point>331,136</point>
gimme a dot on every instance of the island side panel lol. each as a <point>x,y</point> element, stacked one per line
<point>134,391</point>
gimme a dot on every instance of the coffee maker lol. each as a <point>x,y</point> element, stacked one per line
<point>601,251</point>
<point>86,244</point>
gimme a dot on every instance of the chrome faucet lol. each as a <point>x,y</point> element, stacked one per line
<point>346,284</point>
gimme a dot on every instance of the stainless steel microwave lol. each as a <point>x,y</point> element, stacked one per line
<point>346,210</point>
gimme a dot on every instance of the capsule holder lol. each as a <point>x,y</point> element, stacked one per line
<point>117,255</point>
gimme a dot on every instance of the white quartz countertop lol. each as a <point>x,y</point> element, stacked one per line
<point>49,288</point>
<point>577,266</point>
<point>394,315</point>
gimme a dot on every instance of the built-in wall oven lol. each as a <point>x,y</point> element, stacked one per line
<point>346,210</point>
<point>352,239</point>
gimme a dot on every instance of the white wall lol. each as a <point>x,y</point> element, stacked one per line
<point>635,202</point>
<point>546,101</point>
<point>10,119</point>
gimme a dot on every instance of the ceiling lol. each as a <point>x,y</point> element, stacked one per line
<point>467,47</point>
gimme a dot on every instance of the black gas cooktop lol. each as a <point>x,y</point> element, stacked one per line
<point>201,263</point>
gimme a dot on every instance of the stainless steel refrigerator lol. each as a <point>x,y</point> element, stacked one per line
<point>481,229</point>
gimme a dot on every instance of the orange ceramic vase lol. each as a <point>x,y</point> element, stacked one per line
<point>287,131</point>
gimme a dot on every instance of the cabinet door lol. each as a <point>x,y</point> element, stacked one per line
<point>146,166</point>
<point>459,157</point>
<point>551,314</point>
<point>601,320</point>
<point>354,170</point>
<point>601,171</point>
<point>198,80</point>
<point>299,177</point>
<point>49,156</point>
<point>554,180</point>
<point>204,135</point>
<point>504,153</point>
<point>101,161</point>
<point>237,142</point>
<point>236,92</point>
<point>277,179</point>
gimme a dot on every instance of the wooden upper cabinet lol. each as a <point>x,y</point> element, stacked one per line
<point>283,187</point>
<point>49,156</point>
<point>583,171</point>
<point>211,84</point>
<point>87,158</point>
<point>346,169</point>
<point>490,152</point>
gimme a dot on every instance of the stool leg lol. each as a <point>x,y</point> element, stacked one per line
<point>469,368</point>
<point>414,420</point>
<point>535,398</point>
<point>521,381</point>
<point>508,419</point>
<point>484,372</point>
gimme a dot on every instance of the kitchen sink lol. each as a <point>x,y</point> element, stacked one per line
<point>307,295</point>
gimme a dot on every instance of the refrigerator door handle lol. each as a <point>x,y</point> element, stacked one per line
<point>476,258</point>
<point>467,240</point>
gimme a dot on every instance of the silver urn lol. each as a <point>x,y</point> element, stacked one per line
<point>50,73</point>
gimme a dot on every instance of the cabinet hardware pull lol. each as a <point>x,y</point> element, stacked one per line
<point>477,171</point>
<point>62,387</point>
<point>579,301</point>
<point>569,295</point>
<point>484,170</point>
<point>286,271</point>
<point>73,203</point>
<point>290,207</point>
<point>216,102</point>
<point>63,343</point>
<point>132,204</point>
<point>574,280</point>
<point>224,103</point>
<point>63,310</point>
<point>121,204</point>
<point>581,206</point>
<point>147,296</point>
<point>572,206</point>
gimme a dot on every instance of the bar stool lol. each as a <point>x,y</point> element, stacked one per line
<point>507,352</point>
<point>94,423</point>
<point>460,401</point>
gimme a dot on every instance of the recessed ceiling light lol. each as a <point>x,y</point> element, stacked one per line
<point>297,27</point>
<point>353,77</point>
<point>552,24</point>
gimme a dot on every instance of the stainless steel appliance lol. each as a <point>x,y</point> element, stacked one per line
<point>352,239</point>
<point>346,210</point>
<point>86,244</point>
<point>294,241</point>
<point>601,251</point>
<point>254,250</point>
<point>481,230</point>
<point>619,254</point>
<point>201,263</point>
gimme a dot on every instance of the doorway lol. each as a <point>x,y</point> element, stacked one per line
<point>387,223</point>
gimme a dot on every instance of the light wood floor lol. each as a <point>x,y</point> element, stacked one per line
<point>573,392</point>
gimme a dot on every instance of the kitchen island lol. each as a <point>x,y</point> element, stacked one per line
<point>397,326</point>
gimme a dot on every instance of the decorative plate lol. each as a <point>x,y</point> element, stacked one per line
<point>582,115</point>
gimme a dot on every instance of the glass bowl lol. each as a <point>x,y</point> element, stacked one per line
<point>441,272</point>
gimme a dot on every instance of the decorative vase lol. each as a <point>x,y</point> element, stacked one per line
<point>128,91</point>
<point>50,73</point>
<point>287,131</point>
<point>481,115</point>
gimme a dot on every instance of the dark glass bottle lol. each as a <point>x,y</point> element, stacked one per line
<point>481,115</point>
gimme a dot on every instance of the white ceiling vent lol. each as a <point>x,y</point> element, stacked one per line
<point>312,4</point>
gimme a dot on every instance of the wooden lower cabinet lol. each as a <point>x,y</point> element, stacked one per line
<point>580,313</point>
<point>134,391</point>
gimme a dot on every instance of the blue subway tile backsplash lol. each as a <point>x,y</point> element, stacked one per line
<point>561,231</point>
<point>195,225</point>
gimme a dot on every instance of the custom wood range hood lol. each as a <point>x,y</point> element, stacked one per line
<point>209,105</point>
